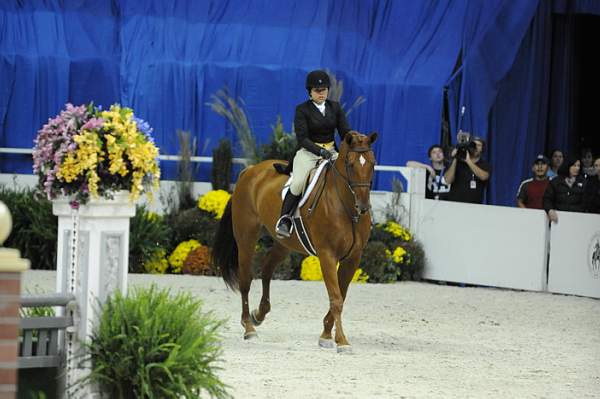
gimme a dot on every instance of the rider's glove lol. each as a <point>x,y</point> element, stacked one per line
<point>325,153</point>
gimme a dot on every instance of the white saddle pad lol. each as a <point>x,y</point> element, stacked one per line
<point>311,185</point>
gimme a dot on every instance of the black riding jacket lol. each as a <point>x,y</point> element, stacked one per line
<point>312,127</point>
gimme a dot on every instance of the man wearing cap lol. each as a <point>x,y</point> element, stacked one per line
<point>315,123</point>
<point>531,191</point>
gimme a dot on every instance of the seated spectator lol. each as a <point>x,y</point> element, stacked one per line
<point>531,191</point>
<point>436,187</point>
<point>556,159</point>
<point>469,175</point>
<point>591,194</point>
<point>565,191</point>
<point>587,163</point>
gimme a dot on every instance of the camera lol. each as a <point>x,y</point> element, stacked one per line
<point>464,143</point>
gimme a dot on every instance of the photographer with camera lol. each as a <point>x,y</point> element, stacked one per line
<point>468,173</point>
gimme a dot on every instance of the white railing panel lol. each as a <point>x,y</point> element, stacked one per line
<point>483,244</point>
<point>575,255</point>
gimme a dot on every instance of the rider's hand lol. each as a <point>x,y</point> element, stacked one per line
<point>325,154</point>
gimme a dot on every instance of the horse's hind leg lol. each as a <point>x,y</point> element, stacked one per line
<point>246,239</point>
<point>274,257</point>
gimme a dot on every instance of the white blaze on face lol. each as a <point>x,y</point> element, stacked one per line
<point>362,160</point>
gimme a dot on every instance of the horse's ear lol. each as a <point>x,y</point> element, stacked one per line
<point>372,137</point>
<point>348,138</point>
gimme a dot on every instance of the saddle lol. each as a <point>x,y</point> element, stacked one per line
<point>297,223</point>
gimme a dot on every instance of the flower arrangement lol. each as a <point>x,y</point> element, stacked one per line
<point>405,255</point>
<point>198,262</point>
<point>214,202</point>
<point>397,230</point>
<point>181,253</point>
<point>88,152</point>
<point>310,270</point>
<point>158,263</point>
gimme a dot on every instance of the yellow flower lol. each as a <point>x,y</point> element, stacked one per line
<point>180,254</point>
<point>152,216</point>
<point>397,231</point>
<point>126,144</point>
<point>398,255</point>
<point>158,263</point>
<point>215,202</point>
<point>310,270</point>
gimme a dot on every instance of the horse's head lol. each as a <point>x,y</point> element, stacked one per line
<point>357,165</point>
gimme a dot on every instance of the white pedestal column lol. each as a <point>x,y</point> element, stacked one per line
<point>92,263</point>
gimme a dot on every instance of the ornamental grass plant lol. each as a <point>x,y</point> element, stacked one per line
<point>155,345</point>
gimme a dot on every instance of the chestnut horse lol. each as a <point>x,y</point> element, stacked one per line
<point>338,224</point>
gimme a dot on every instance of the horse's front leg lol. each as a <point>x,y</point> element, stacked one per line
<point>336,302</point>
<point>344,274</point>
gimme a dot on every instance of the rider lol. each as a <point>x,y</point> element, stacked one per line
<point>315,122</point>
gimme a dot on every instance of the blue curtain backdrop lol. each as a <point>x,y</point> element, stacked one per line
<point>166,60</point>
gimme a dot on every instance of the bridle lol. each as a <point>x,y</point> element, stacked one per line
<point>358,211</point>
<point>350,184</point>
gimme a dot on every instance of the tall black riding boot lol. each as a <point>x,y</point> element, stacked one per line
<point>284,224</point>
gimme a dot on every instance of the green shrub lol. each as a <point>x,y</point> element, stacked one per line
<point>193,223</point>
<point>222,166</point>
<point>376,263</point>
<point>413,267</point>
<point>148,232</point>
<point>34,231</point>
<point>152,345</point>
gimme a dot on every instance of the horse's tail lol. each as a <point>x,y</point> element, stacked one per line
<point>224,254</point>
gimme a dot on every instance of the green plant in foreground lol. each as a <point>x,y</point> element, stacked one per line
<point>154,345</point>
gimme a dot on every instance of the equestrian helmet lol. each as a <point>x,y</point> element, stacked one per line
<point>317,79</point>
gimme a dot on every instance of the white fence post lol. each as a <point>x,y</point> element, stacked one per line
<point>92,263</point>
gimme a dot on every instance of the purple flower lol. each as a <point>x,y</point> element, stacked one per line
<point>93,123</point>
<point>144,127</point>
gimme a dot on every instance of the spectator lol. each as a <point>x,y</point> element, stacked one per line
<point>587,163</point>
<point>436,187</point>
<point>556,159</point>
<point>468,176</point>
<point>565,191</point>
<point>592,190</point>
<point>531,191</point>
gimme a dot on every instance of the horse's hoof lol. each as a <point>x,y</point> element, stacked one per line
<point>326,343</point>
<point>253,318</point>
<point>344,349</point>
<point>250,335</point>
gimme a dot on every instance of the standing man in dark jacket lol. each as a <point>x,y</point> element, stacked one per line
<point>315,123</point>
